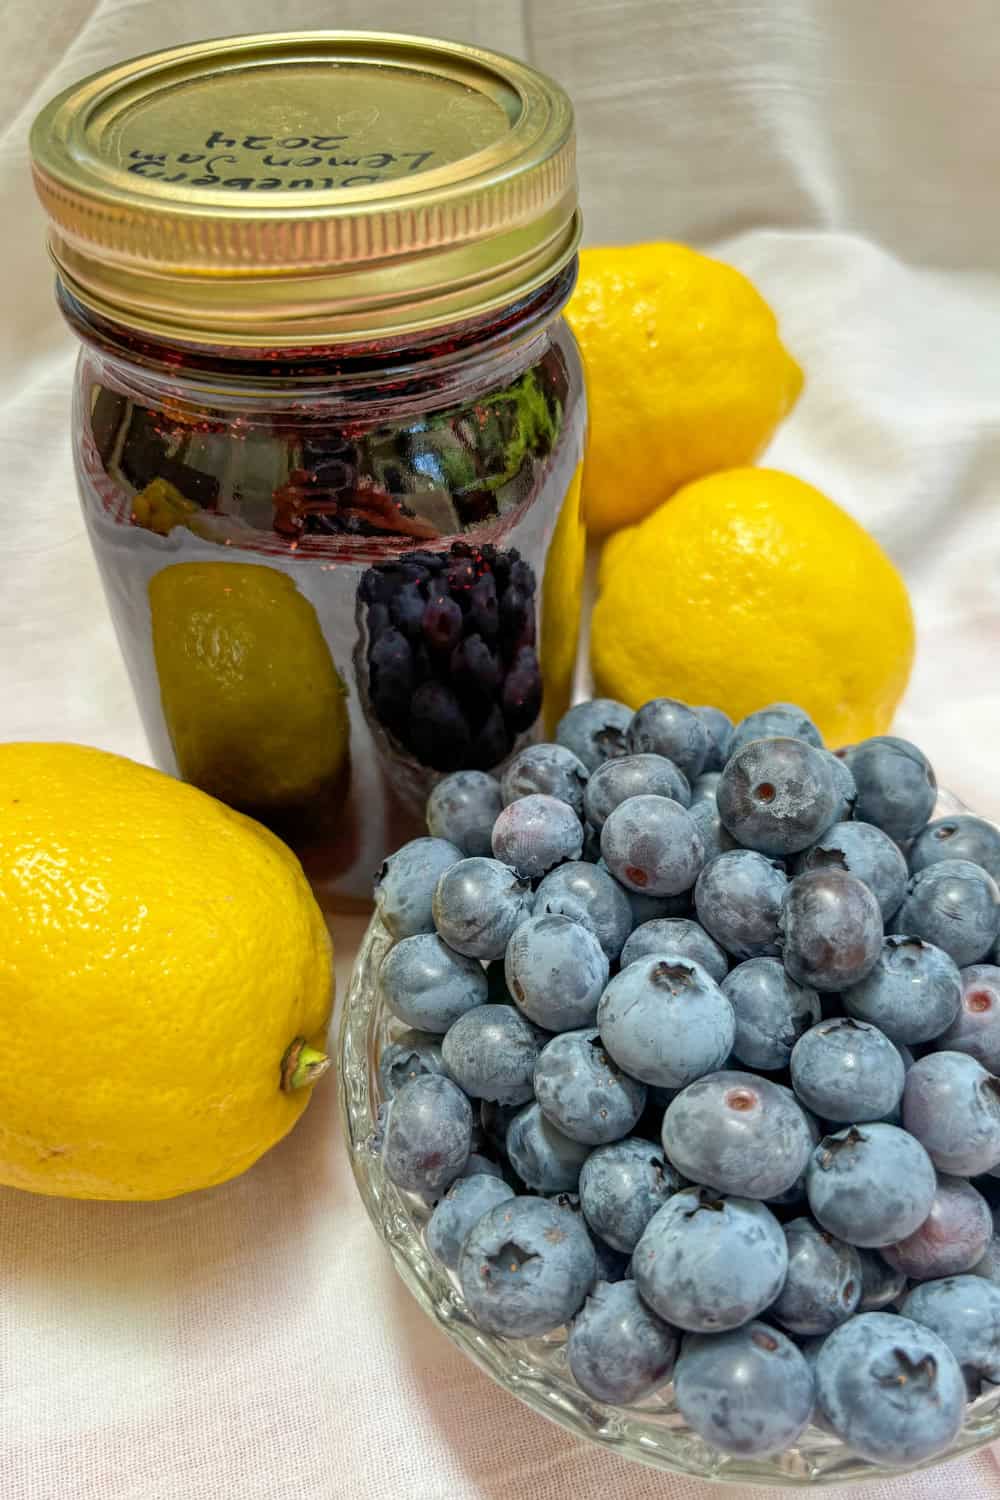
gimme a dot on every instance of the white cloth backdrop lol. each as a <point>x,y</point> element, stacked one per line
<point>252,1342</point>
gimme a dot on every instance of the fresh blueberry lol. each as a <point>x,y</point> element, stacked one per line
<point>651,844</point>
<point>988,1266</point>
<point>462,1206</point>
<point>847,792</point>
<point>491,1053</point>
<point>526,1267</point>
<point>865,851</point>
<point>428,1135</point>
<point>666,727</point>
<point>831,929</point>
<point>823,1285</point>
<point>890,1389</point>
<point>665,1021</point>
<point>964,1312</point>
<point>462,810</point>
<point>612,1265</point>
<point>621,1188</point>
<point>777,796</point>
<point>717,840</point>
<point>428,985</point>
<point>954,904</point>
<point>847,1071</point>
<point>617,1349</point>
<point>738,899</point>
<point>720,734</point>
<point>705,787</point>
<point>881,1284</point>
<point>536,833</point>
<point>749,1392</point>
<point>953,1237</point>
<point>952,1106</point>
<point>796,1197</point>
<point>772,1012</point>
<point>777,721</point>
<point>556,971</point>
<point>632,776</point>
<point>677,936</point>
<point>595,731</point>
<point>976,1028</point>
<point>410,1056</point>
<point>895,783</point>
<point>707,1263</point>
<point>551,770</point>
<point>913,993</point>
<point>960,836</point>
<point>404,886</point>
<point>870,1185</point>
<point>545,1159</point>
<point>809,1349</point>
<point>737,1133</point>
<point>478,904</point>
<point>649,908</point>
<point>583,1093</point>
<point>589,895</point>
<point>477,1165</point>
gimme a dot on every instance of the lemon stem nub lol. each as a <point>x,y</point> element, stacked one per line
<point>302,1066</point>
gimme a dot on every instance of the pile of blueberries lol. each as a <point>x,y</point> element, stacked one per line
<point>704,1024</point>
<point>452,667</point>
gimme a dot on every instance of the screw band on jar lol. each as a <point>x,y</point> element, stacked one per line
<point>307,187</point>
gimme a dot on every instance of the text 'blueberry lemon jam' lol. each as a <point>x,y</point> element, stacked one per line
<point>328,419</point>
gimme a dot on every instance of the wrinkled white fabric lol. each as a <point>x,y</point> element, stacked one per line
<point>253,1341</point>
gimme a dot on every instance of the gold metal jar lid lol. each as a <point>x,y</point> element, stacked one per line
<point>307,187</point>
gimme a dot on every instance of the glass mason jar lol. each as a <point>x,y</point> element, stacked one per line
<point>328,443</point>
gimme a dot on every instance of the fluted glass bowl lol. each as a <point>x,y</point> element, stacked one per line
<point>653,1431</point>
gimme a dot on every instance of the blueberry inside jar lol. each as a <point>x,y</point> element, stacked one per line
<point>328,422</point>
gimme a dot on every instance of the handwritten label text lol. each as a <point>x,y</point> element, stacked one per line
<point>275,162</point>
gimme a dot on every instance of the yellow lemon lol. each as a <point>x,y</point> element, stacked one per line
<point>562,597</point>
<point>747,588</point>
<point>165,980</point>
<point>255,709</point>
<point>686,374</point>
